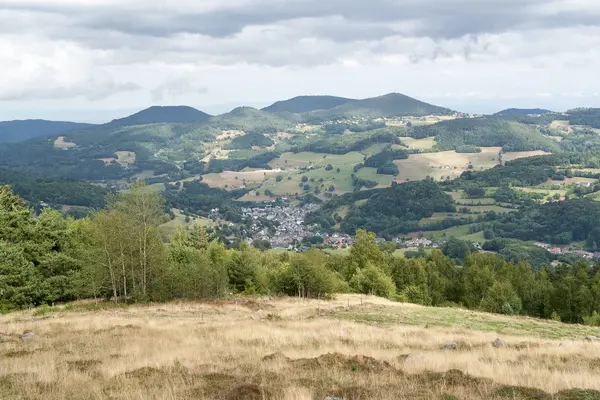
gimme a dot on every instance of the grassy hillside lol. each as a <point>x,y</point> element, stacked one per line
<point>389,105</point>
<point>485,131</point>
<point>305,104</point>
<point>159,114</point>
<point>19,131</point>
<point>353,347</point>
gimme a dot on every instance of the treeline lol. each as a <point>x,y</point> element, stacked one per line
<point>118,254</point>
<point>54,191</point>
<point>341,128</point>
<point>505,175</point>
<point>249,140</point>
<point>560,223</point>
<point>198,198</point>
<point>215,165</point>
<point>585,116</point>
<point>386,211</point>
<point>335,144</point>
<point>384,161</point>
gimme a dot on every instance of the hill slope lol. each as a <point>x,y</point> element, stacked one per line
<point>485,131</point>
<point>352,343</point>
<point>160,114</point>
<point>19,131</point>
<point>389,105</point>
<point>522,111</point>
<point>388,211</point>
<point>305,104</point>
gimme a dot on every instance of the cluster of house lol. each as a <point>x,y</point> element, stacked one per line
<point>561,250</point>
<point>282,226</point>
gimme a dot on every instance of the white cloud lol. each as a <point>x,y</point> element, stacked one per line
<point>120,54</point>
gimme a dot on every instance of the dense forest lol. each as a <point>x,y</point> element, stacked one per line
<point>53,191</point>
<point>388,211</point>
<point>561,223</point>
<point>485,131</point>
<point>335,144</point>
<point>198,198</point>
<point>118,254</point>
<point>585,116</point>
<point>249,140</point>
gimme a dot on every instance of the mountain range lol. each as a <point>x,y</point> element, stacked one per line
<point>297,109</point>
<point>20,130</point>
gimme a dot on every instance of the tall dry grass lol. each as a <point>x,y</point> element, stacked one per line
<point>216,350</point>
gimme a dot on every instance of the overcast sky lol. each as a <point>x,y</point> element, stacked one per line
<point>94,60</point>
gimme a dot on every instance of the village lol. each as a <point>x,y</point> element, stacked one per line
<point>283,227</point>
<point>562,250</point>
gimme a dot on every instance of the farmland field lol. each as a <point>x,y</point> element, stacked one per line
<point>443,164</point>
<point>353,347</point>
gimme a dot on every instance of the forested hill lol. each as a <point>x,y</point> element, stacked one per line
<point>485,131</point>
<point>162,114</point>
<point>305,104</point>
<point>522,111</point>
<point>19,131</point>
<point>389,105</point>
<point>388,211</point>
<point>54,191</point>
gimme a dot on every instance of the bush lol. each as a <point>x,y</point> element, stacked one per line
<point>372,280</point>
<point>592,320</point>
<point>502,298</point>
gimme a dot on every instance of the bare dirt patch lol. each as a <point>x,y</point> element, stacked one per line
<point>61,143</point>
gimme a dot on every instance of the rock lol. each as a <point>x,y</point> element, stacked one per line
<point>414,358</point>
<point>27,336</point>
<point>563,344</point>
<point>451,346</point>
<point>333,398</point>
<point>591,338</point>
<point>499,343</point>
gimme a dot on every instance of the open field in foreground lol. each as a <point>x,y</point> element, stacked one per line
<point>354,347</point>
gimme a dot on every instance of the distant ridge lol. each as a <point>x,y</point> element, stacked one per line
<point>389,105</point>
<point>509,112</point>
<point>305,104</point>
<point>21,130</point>
<point>162,114</point>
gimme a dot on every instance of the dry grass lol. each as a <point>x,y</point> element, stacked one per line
<point>61,143</point>
<point>442,164</point>
<point>289,349</point>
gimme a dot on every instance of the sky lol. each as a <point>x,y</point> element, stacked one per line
<point>95,60</point>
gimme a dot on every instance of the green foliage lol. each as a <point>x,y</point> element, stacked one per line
<point>54,191</point>
<point>198,198</point>
<point>372,280</point>
<point>249,140</point>
<point>305,104</point>
<point>384,161</point>
<point>336,144</point>
<point>158,114</point>
<point>19,131</point>
<point>389,105</point>
<point>558,223</point>
<point>585,116</point>
<point>507,175</point>
<point>468,149</point>
<point>387,211</point>
<point>485,131</point>
<point>592,320</point>
<point>501,298</point>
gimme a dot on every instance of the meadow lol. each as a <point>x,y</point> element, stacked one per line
<point>353,347</point>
